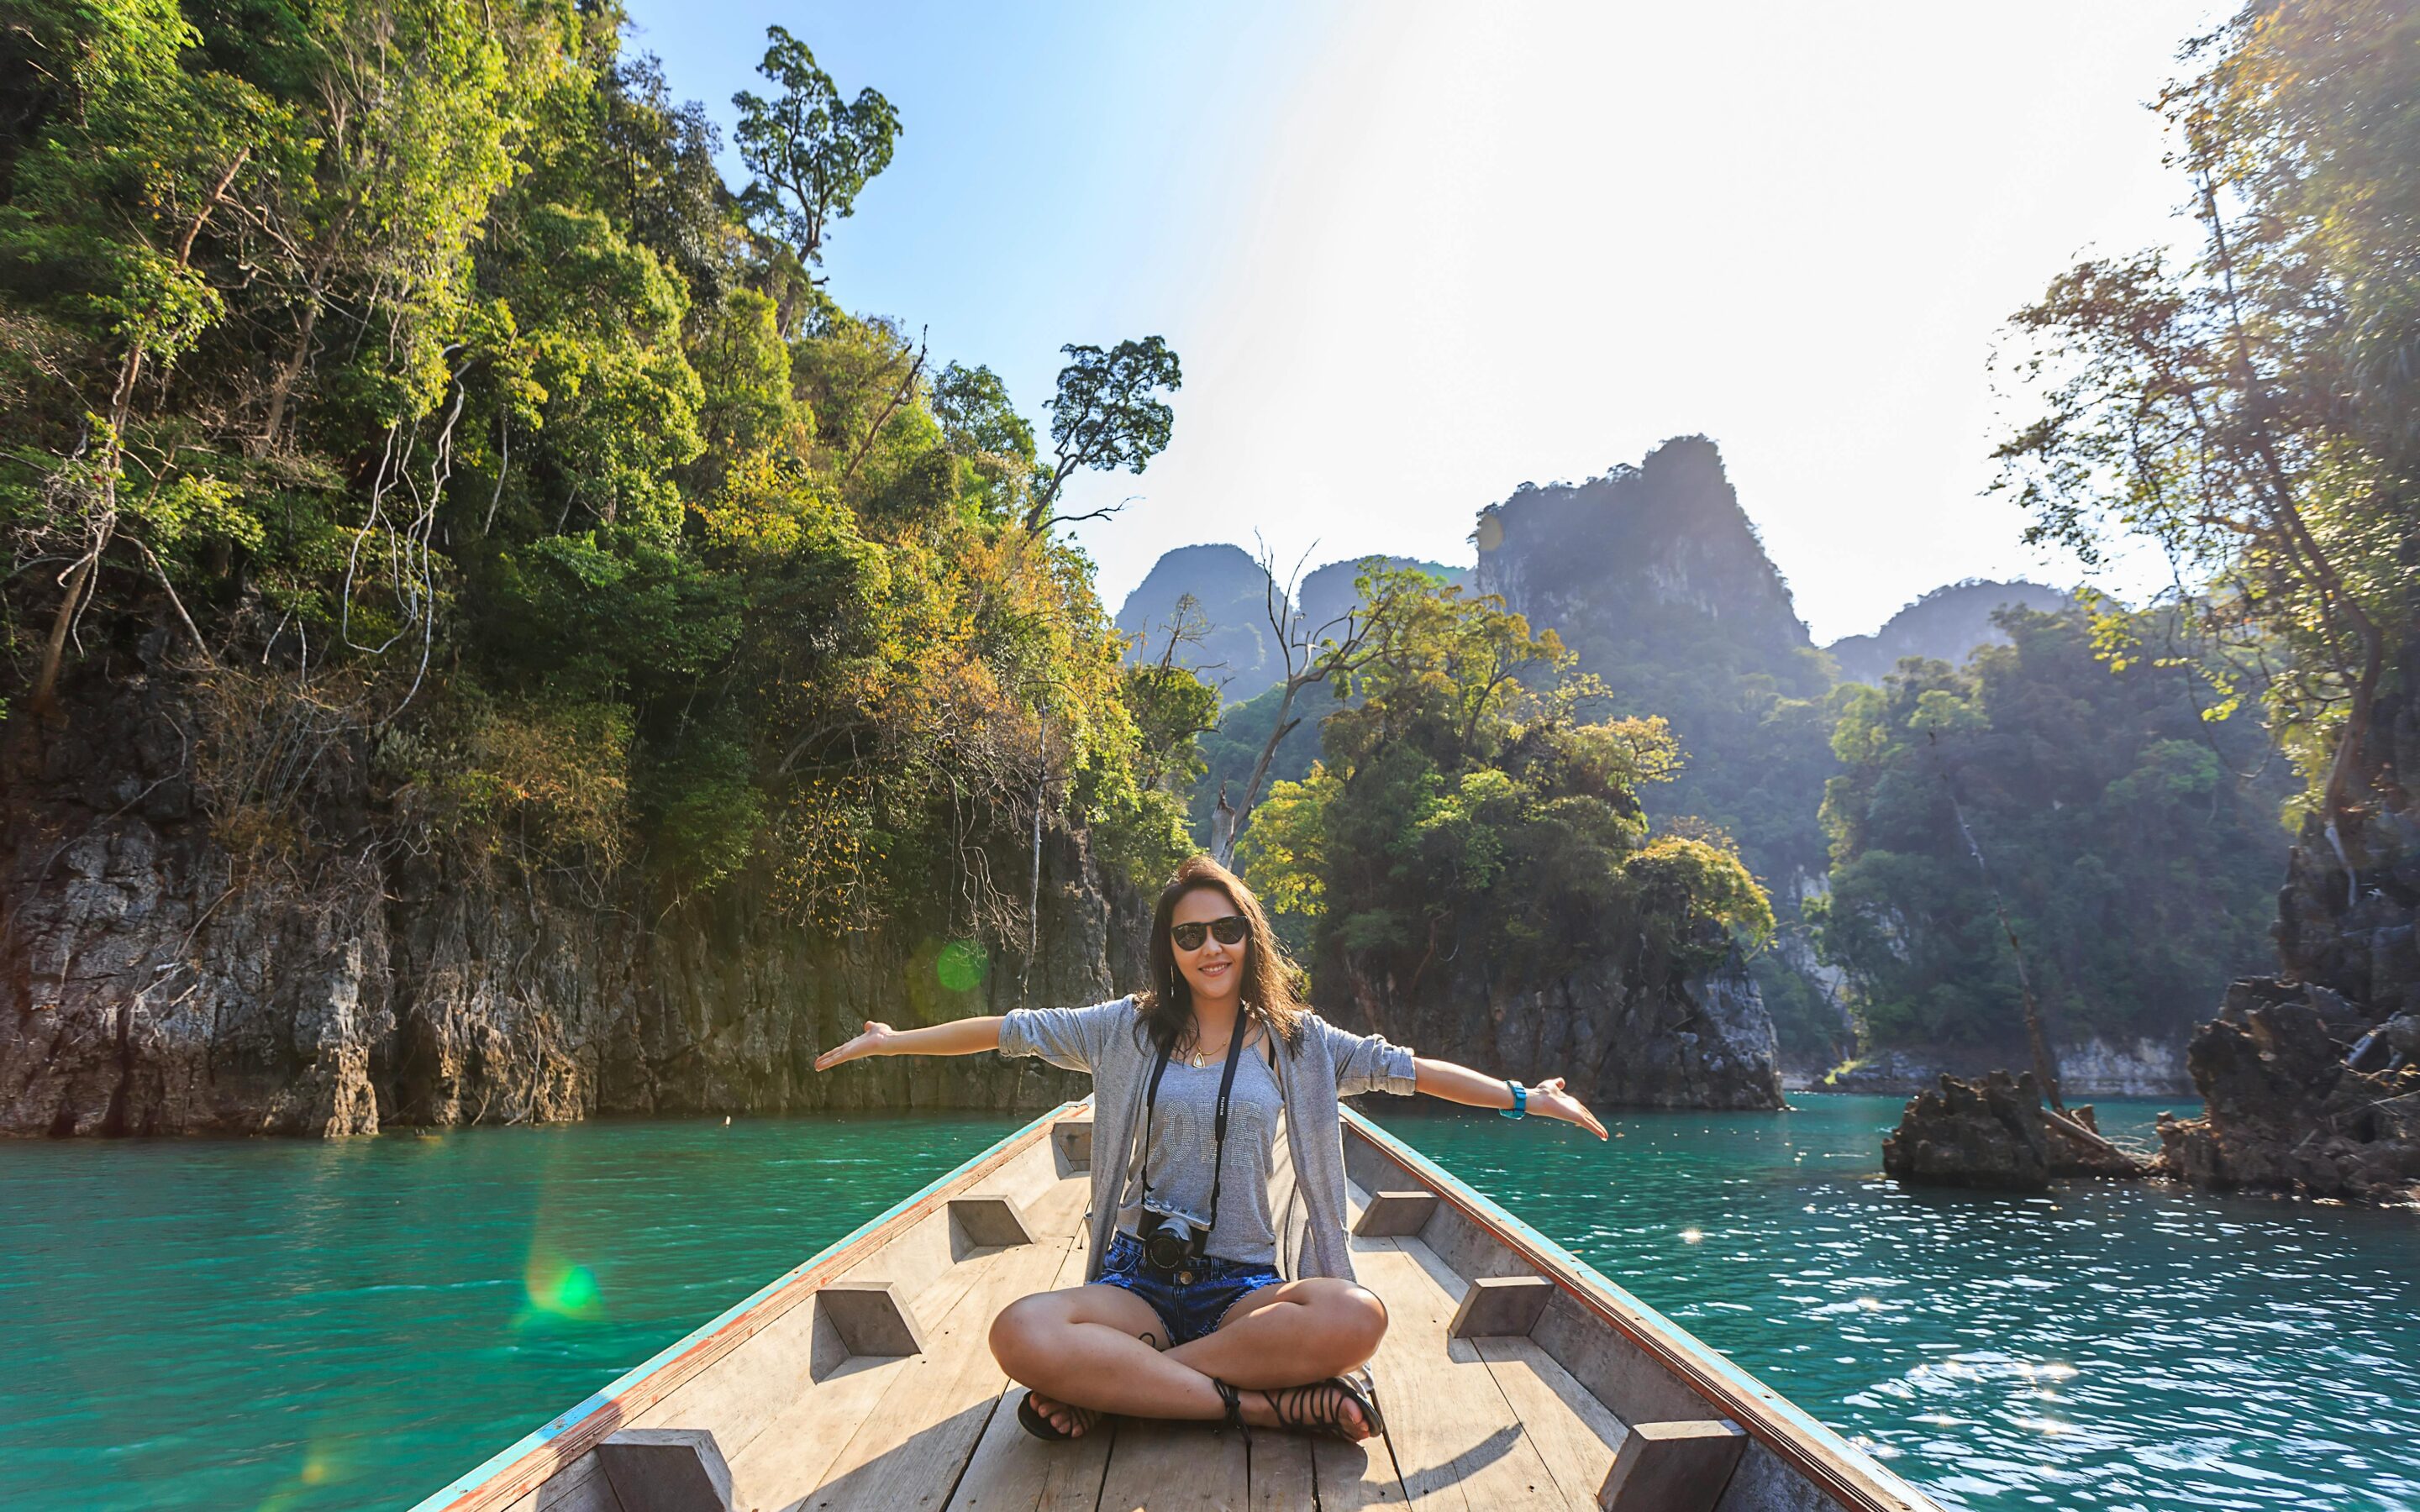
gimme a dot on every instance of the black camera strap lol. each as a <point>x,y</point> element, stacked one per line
<point>1218,1123</point>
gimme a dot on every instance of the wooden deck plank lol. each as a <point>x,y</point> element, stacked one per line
<point>793,1452</point>
<point>912,1448</point>
<point>1012,1470</point>
<point>1282,1472</point>
<point>1574,1434</point>
<point>1350,1476</point>
<point>797,1450</point>
<point>1176,1467</point>
<point>1457,1441</point>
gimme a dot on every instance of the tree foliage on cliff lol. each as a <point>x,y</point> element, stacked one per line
<point>409,370</point>
<point>1469,811</point>
<point>2251,409</point>
<point>2133,842</point>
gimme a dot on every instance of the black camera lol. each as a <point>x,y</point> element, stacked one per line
<point>1172,1241</point>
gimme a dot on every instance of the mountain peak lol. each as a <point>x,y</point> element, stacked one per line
<point>1625,550</point>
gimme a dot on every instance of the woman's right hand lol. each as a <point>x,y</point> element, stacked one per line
<point>873,1040</point>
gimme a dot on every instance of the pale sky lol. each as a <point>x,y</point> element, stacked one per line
<point>1413,254</point>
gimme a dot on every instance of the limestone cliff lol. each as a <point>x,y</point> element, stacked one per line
<point>1656,578</point>
<point>152,983</point>
<point>1622,1035</point>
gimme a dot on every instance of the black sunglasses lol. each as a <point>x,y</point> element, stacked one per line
<point>1230,930</point>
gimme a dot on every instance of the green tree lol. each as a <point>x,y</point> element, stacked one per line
<point>414,364</point>
<point>2249,409</point>
<point>810,152</point>
<point>1466,759</point>
<point>2130,841</point>
<point>1108,414</point>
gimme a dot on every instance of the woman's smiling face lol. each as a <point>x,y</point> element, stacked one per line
<point>1216,969</point>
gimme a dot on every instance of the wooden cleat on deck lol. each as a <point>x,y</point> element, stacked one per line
<point>1395,1214</point>
<point>871,1317</point>
<point>991,1220</point>
<point>666,1470</point>
<point>1497,1305</point>
<point>1073,1139</point>
<point>1672,1467</point>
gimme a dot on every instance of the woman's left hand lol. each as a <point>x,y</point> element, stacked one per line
<point>1547,1100</point>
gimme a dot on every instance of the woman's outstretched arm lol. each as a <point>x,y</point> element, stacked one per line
<point>959,1037</point>
<point>1460,1084</point>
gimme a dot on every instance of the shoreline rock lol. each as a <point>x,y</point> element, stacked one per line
<point>2301,1093</point>
<point>1994,1132</point>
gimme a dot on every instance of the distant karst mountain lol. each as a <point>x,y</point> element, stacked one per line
<point>1945,623</point>
<point>1653,575</point>
<point>1236,651</point>
<point>1656,561</point>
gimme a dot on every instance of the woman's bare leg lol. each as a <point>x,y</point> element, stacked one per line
<point>1098,1347</point>
<point>1291,1334</point>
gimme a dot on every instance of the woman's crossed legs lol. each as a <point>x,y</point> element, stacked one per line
<point>1099,1348</point>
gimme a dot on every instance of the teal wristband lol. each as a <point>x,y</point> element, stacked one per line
<point>1520,1100</point>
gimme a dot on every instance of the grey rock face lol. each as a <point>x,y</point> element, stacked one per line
<point>1705,1042</point>
<point>151,983</point>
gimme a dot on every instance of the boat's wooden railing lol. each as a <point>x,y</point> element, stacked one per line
<point>519,1469</point>
<point>1644,1367</point>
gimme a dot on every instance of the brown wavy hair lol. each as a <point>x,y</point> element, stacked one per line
<point>1270,990</point>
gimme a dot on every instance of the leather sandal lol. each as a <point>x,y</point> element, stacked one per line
<point>1233,1400</point>
<point>1041,1428</point>
<point>1318,1407</point>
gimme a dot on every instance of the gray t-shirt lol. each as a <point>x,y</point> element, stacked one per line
<point>1184,1136</point>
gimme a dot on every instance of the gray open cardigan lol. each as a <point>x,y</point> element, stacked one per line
<point>1107,1041</point>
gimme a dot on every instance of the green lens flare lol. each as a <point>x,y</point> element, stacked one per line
<point>961,966</point>
<point>561,1290</point>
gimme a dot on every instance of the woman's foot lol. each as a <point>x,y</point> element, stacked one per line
<point>1342,1407</point>
<point>1066,1422</point>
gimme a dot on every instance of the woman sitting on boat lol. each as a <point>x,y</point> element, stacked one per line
<point>1186,1315</point>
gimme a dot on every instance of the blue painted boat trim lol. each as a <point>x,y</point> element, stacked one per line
<point>1712,1359</point>
<point>555,1428</point>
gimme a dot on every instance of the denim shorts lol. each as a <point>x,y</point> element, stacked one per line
<point>1189,1308</point>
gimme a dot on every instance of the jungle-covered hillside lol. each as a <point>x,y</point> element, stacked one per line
<point>410,368</point>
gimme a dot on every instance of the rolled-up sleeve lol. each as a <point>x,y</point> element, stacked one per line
<point>1072,1039</point>
<point>1368,1063</point>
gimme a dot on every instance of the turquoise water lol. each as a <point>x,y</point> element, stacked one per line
<point>276,1325</point>
<point>272,1326</point>
<point>2111,1345</point>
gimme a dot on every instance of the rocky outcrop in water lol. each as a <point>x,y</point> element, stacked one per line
<point>1994,1132</point>
<point>152,983</point>
<point>2310,1080</point>
<point>2302,1092</point>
